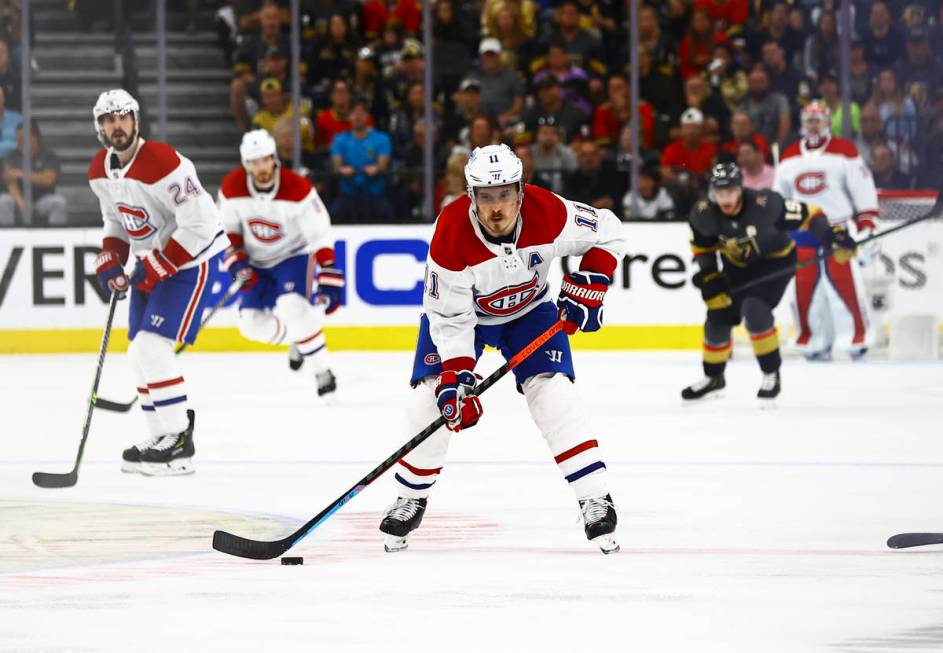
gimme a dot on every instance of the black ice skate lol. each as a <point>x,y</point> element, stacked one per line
<point>295,359</point>
<point>704,387</point>
<point>172,455</point>
<point>599,522</point>
<point>769,387</point>
<point>399,520</point>
<point>131,457</point>
<point>326,382</point>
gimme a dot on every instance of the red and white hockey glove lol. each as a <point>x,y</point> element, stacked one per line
<point>580,301</point>
<point>458,403</point>
<point>237,265</point>
<point>110,273</point>
<point>330,288</point>
<point>151,270</point>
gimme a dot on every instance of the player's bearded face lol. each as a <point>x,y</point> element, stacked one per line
<point>118,130</point>
<point>728,199</point>
<point>262,171</point>
<point>498,208</point>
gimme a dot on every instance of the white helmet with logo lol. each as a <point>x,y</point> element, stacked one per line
<point>119,101</point>
<point>492,165</point>
<point>257,144</point>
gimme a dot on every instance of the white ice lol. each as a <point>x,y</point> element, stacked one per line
<point>741,529</point>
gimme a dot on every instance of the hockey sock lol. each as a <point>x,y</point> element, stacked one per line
<point>717,345</point>
<point>154,425</point>
<point>763,335</point>
<point>557,410</point>
<point>418,471</point>
<point>303,323</point>
<point>261,326</point>
<point>154,356</point>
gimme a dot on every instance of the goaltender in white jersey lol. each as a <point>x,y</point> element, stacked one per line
<point>280,233</point>
<point>831,305</point>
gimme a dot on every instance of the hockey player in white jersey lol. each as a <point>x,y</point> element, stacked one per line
<point>279,232</point>
<point>831,306</point>
<point>154,208</point>
<point>486,283</point>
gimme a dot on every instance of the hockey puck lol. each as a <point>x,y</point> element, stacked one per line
<point>288,560</point>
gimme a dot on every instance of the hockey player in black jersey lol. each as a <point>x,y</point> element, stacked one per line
<point>749,229</point>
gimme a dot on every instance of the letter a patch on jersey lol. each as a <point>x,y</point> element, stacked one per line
<point>535,260</point>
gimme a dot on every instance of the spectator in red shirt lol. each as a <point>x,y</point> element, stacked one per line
<point>336,119</point>
<point>727,14</point>
<point>741,130</point>
<point>697,47</point>
<point>616,112</point>
<point>374,16</point>
<point>687,159</point>
<point>408,14</point>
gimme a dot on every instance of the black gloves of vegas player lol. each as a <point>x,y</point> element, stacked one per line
<point>715,289</point>
<point>580,301</point>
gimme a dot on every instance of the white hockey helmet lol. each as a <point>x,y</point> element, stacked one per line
<point>816,111</point>
<point>257,144</point>
<point>119,101</point>
<point>492,165</point>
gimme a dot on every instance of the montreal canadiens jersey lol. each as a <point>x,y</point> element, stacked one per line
<point>471,280</point>
<point>833,177</point>
<point>156,201</point>
<point>287,221</point>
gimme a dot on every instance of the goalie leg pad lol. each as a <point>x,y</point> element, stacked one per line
<point>557,411</point>
<point>848,306</point>
<point>154,357</point>
<point>418,471</point>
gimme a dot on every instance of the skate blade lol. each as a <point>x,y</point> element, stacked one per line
<point>717,394</point>
<point>130,468</point>
<point>392,544</point>
<point>606,543</point>
<point>180,467</point>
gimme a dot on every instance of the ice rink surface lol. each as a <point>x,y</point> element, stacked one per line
<point>741,529</point>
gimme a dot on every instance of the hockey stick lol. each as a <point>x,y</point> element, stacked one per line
<point>125,406</point>
<point>261,550</point>
<point>821,257</point>
<point>46,479</point>
<point>907,540</point>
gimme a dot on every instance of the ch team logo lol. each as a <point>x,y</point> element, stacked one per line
<point>432,359</point>
<point>509,300</point>
<point>136,221</point>
<point>264,230</point>
<point>810,183</point>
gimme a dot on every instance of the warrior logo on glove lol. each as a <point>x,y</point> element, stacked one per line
<point>580,301</point>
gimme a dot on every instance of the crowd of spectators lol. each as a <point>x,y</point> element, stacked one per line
<point>719,79</point>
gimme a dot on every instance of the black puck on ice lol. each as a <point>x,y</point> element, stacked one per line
<point>289,560</point>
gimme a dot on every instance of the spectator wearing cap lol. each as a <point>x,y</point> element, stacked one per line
<point>616,111</point>
<point>368,85</point>
<point>332,55</point>
<point>884,169</point>
<point>778,30</point>
<point>768,111</point>
<point>466,105</point>
<point>49,208</point>
<point>697,47</point>
<point>253,60</point>
<point>686,160</point>
<point>594,181</point>
<point>784,79</point>
<point>583,48</point>
<point>830,97</point>
<point>573,80</point>
<point>502,92</point>
<point>821,50</point>
<point>652,201</point>
<point>919,72</point>
<point>552,159</point>
<point>741,130</point>
<point>336,119</point>
<point>551,102</point>
<point>757,174</point>
<point>361,157</point>
<point>883,40</point>
<point>275,105</point>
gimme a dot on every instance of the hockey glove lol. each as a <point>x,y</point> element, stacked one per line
<point>330,288</point>
<point>111,276</point>
<point>151,270</point>
<point>237,265</point>
<point>458,403</point>
<point>741,250</point>
<point>580,301</point>
<point>715,289</point>
<point>842,244</point>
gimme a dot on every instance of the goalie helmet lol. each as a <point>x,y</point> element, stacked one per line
<point>257,144</point>
<point>119,101</point>
<point>819,112</point>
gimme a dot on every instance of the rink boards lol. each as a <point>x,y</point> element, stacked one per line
<point>49,301</point>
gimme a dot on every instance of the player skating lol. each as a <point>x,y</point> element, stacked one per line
<point>831,306</point>
<point>750,231</point>
<point>279,231</point>
<point>154,207</point>
<point>486,283</point>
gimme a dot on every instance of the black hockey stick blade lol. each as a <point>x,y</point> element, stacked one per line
<point>48,480</point>
<point>115,406</point>
<point>907,540</point>
<point>246,548</point>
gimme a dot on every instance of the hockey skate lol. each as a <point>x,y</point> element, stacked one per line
<point>399,520</point>
<point>824,356</point>
<point>327,383</point>
<point>131,457</point>
<point>295,359</point>
<point>704,387</point>
<point>769,387</point>
<point>172,455</point>
<point>599,522</point>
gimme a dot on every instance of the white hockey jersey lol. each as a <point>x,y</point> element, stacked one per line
<point>156,202</point>
<point>472,281</point>
<point>833,177</point>
<point>289,220</point>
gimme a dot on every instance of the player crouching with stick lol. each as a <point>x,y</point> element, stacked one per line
<point>750,231</point>
<point>486,283</point>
